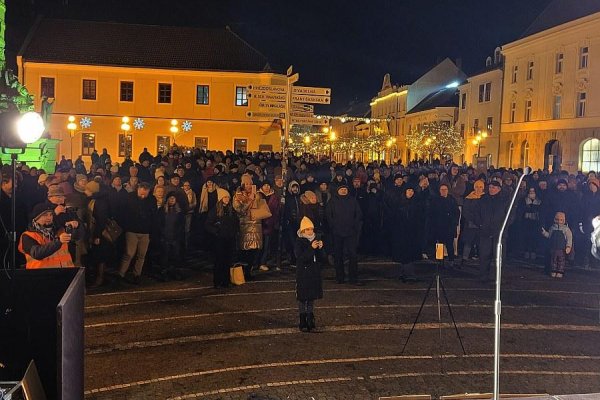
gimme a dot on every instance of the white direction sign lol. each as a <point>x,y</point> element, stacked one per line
<point>268,88</point>
<point>303,107</point>
<point>294,113</point>
<point>265,114</point>
<point>267,96</point>
<point>265,105</point>
<point>315,91</point>
<point>309,121</point>
<point>306,98</point>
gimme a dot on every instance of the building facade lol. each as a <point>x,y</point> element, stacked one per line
<point>161,78</point>
<point>551,95</point>
<point>480,105</point>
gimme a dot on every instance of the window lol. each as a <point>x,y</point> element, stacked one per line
<point>164,93</point>
<point>581,99</point>
<point>590,155</point>
<point>462,131</point>
<point>240,145</point>
<point>530,70</point>
<point>463,101</point>
<point>125,144</point>
<point>524,154</point>
<point>485,92</point>
<point>88,143</point>
<point>515,72</point>
<point>202,94</point>
<point>584,54</point>
<point>47,87</point>
<point>163,143</point>
<point>126,91</point>
<point>556,108</point>
<point>265,148</point>
<point>241,96</point>
<point>558,69</point>
<point>489,125</point>
<point>201,143</point>
<point>513,111</point>
<point>527,110</point>
<point>89,89</point>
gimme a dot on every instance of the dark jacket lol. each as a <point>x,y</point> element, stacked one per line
<point>141,214</point>
<point>309,285</point>
<point>271,224</point>
<point>100,213</point>
<point>172,223</point>
<point>443,218</point>
<point>490,214</point>
<point>411,215</point>
<point>117,200</point>
<point>225,226</point>
<point>344,216</point>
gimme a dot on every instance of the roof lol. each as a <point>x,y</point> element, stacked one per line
<point>442,98</point>
<point>559,12</point>
<point>132,45</point>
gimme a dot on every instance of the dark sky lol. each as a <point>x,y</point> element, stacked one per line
<point>347,45</point>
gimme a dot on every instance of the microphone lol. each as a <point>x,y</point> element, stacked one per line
<point>526,170</point>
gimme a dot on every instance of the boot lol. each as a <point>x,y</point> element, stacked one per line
<point>310,321</point>
<point>303,326</point>
<point>99,276</point>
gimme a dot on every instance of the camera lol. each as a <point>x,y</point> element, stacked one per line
<point>68,229</point>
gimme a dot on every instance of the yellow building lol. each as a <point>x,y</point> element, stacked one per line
<point>480,100</point>
<point>551,95</point>
<point>101,72</point>
<point>390,104</point>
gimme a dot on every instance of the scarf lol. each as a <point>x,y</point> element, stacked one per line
<point>46,231</point>
<point>474,195</point>
<point>310,238</point>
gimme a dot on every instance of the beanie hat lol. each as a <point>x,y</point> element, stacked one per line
<point>55,190</point>
<point>40,210</point>
<point>305,224</point>
<point>495,183</point>
<point>563,181</point>
<point>42,178</point>
<point>479,183</point>
<point>92,187</point>
<point>309,197</point>
<point>221,193</point>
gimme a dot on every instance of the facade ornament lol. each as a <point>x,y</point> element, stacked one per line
<point>557,88</point>
<point>582,84</point>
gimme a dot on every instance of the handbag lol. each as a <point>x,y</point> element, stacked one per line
<point>236,275</point>
<point>112,230</point>
<point>261,212</point>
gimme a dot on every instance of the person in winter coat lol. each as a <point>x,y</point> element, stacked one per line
<point>443,218</point>
<point>172,231</point>
<point>291,218</point>
<point>309,286</point>
<point>208,200</point>
<point>489,217</point>
<point>98,213</point>
<point>374,217</point>
<point>530,223</point>
<point>561,243</point>
<point>345,221</point>
<point>590,208</point>
<point>223,224</point>
<point>407,249</point>
<point>270,225</point>
<point>189,216</point>
<point>470,233</point>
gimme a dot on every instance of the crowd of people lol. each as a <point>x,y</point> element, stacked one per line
<point>243,208</point>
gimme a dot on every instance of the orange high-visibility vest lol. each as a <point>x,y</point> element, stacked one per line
<point>60,259</point>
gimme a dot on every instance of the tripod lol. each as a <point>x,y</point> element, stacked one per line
<point>439,284</point>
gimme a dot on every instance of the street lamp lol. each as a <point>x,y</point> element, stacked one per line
<point>71,127</point>
<point>174,129</point>
<point>306,143</point>
<point>481,136</point>
<point>332,138</point>
<point>125,127</point>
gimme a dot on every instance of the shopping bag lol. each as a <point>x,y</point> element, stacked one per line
<point>236,275</point>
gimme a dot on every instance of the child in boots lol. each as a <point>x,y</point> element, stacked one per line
<point>561,242</point>
<point>309,287</point>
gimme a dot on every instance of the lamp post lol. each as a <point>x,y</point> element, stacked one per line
<point>332,138</point>
<point>174,130</point>
<point>481,136</point>
<point>306,143</point>
<point>72,127</point>
<point>125,127</point>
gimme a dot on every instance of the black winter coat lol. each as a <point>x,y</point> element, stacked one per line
<point>344,216</point>
<point>443,218</point>
<point>223,227</point>
<point>590,208</point>
<point>490,214</point>
<point>309,285</point>
<point>141,214</point>
<point>411,216</point>
<point>172,223</point>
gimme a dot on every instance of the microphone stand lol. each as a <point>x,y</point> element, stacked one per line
<point>497,303</point>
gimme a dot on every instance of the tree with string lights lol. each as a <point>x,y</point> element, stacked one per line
<point>435,139</point>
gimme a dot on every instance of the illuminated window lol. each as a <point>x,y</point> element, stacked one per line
<point>590,155</point>
<point>557,108</point>
<point>241,96</point>
<point>125,144</point>
<point>201,143</point>
<point>88,143</point>
<point>163,143</point>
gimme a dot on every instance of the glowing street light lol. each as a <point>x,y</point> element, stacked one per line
<point>71,127</point>
<point>30,127</point>
<point>125,127</point>
<point>481,135</point>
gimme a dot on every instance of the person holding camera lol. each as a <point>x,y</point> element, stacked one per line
<point>64,214</point>
<point>43,245</point>
<point>309,286</point>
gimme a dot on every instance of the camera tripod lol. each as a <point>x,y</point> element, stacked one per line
<point>439,284</point>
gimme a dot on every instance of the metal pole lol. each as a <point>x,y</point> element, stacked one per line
<point>497,303</point>
<point>13,211</point>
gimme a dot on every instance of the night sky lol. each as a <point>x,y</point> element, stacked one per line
<point>347,45</point>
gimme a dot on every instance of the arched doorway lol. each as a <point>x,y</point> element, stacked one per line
<point>524,153</point>
<point>553,156</point>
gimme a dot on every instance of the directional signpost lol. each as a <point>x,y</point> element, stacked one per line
<point>309,121</point>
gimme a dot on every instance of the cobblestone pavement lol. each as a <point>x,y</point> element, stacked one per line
<point>186,340</point>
